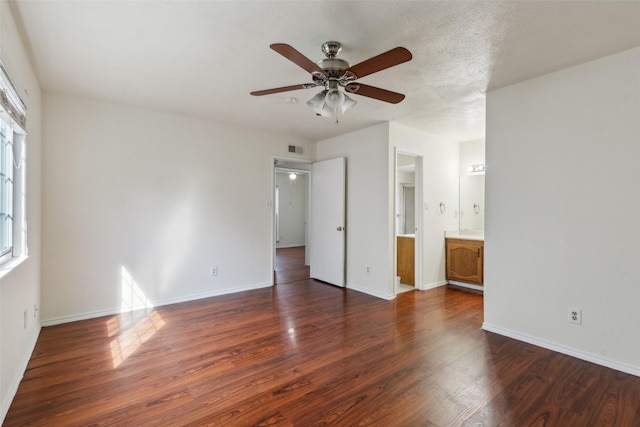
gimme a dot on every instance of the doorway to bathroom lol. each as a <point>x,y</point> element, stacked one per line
<point>408,222</point>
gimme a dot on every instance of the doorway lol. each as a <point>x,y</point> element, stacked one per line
<point>408,222</point>
<point>291,219</point>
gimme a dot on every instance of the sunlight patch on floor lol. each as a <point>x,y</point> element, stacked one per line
<point>125,344</point>
<point>136,324</point>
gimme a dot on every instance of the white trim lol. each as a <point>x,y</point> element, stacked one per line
<point>284,169</point>
<point>367,291</point>
<point>20,92</point>
<point>467,285</point>
<point>432,285</point>
<point>15,381</point>
<point>11,264</point>
<point>94,314</point>
<point>599,360</point>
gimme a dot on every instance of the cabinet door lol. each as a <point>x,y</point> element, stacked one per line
<point>465,260</point>
<point>406,260</point>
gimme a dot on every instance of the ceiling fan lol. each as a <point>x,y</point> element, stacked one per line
<point>332,73</point>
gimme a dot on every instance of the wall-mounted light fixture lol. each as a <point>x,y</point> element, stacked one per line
<point>477,168</point>
<point>292,176</point>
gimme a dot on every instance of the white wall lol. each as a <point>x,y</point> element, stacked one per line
<point>369,207</point>
<point>563,202</point>
<point>293,202</point>
<point>440,177</point>
<point>370,157</point>
<point>132,192</point>
<point>20,287</point>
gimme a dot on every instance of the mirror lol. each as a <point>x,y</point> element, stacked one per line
<point>471,190</point>
<point>406,194</point>
<point>408,206</point>
<point>471,213</point>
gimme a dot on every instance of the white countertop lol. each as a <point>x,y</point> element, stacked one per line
<point>465,234</point>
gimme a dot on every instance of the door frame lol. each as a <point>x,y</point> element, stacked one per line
<point>286,163</point>
<point>419,221</point>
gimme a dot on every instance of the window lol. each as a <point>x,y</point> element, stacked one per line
<point>6,188</point>
<point>12,171</point>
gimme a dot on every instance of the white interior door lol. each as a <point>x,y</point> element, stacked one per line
<point>328,221</point>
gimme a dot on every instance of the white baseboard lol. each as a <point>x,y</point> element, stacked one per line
<point>19,374</point>
<point>466,285</point>
<point>376,294</point>
<point>598,360</point>
<point>432,285</point>
<point>390,297</point>
<point>110,312</point>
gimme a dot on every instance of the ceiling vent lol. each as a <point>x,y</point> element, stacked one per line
<point>294,149</point>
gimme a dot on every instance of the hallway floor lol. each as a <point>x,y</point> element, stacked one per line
<point>290,265</point>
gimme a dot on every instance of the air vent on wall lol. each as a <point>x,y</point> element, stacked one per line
<point>294,149</point>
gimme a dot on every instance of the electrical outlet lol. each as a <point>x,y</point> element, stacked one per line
<point>574,315</point>
<point>214,271</point>
<point>368,269</point>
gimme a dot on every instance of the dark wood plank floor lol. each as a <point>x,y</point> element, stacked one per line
<point>290,265</point>
<point>310,354</point>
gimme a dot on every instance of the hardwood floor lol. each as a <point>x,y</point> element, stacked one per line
<point>290,265</point>
<point>310,354</point>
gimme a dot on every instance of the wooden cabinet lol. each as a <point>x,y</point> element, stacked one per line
<point>406,260</point>
<point>465,260</point>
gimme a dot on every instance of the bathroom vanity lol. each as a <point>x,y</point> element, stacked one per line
<point>465,258</point>
<point>465,246</point>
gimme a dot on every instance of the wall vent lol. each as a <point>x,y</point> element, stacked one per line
<point>294,149</point>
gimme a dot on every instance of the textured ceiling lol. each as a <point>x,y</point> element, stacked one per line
<point>202,58</point>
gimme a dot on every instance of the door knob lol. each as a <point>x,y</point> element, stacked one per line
<point>339,228</point>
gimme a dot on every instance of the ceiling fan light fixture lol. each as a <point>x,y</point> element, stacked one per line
<point>334,98</point>
<point>347,103</point>
<point>317,103</point>
<point>325,111</point>
<point>329,103</point>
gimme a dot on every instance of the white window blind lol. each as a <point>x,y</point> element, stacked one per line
<point>12,170</point>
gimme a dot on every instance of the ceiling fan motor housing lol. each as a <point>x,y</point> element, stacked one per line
<point>333,66</point>
<point>331,49</point>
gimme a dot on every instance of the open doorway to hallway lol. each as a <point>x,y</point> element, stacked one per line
<point>291,215</point>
